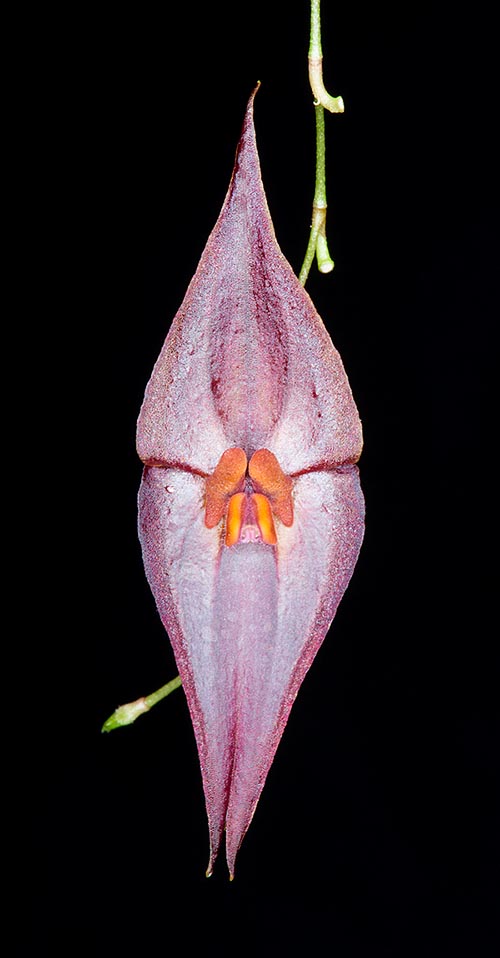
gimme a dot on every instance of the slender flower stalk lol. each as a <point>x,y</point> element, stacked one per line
<point>322,100</point>
<point>334,104</point>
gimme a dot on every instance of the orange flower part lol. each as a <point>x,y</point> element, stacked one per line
<point>234,518</point>
<point>264,518</point>
<point>226,479</point>
<point>268,476</point>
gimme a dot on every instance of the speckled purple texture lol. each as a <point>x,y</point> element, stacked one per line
<point>247,362</point>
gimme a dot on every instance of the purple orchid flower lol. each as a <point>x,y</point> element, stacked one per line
<point>250,508</point>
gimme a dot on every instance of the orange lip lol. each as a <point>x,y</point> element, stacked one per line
<point>264,518</point>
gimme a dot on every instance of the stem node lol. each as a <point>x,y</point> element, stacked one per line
<point>126,714</point>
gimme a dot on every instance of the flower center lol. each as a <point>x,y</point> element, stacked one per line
<point>247,495</point>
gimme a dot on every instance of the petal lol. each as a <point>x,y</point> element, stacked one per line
<point>247,361</point>
<point>227,477</point>
<point>267,475</point>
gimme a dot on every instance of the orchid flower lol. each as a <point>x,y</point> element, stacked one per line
<point>250,506</point>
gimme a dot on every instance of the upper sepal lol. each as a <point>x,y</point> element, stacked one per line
<point>247,361</point>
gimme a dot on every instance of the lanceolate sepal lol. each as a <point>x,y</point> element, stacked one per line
<point>250,509</point>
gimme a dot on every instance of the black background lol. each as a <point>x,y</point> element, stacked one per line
<point>376,833</point>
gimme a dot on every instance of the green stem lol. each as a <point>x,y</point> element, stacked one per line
<point>334,104</point>
<point>317,238</point>
<point>126,714</point>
